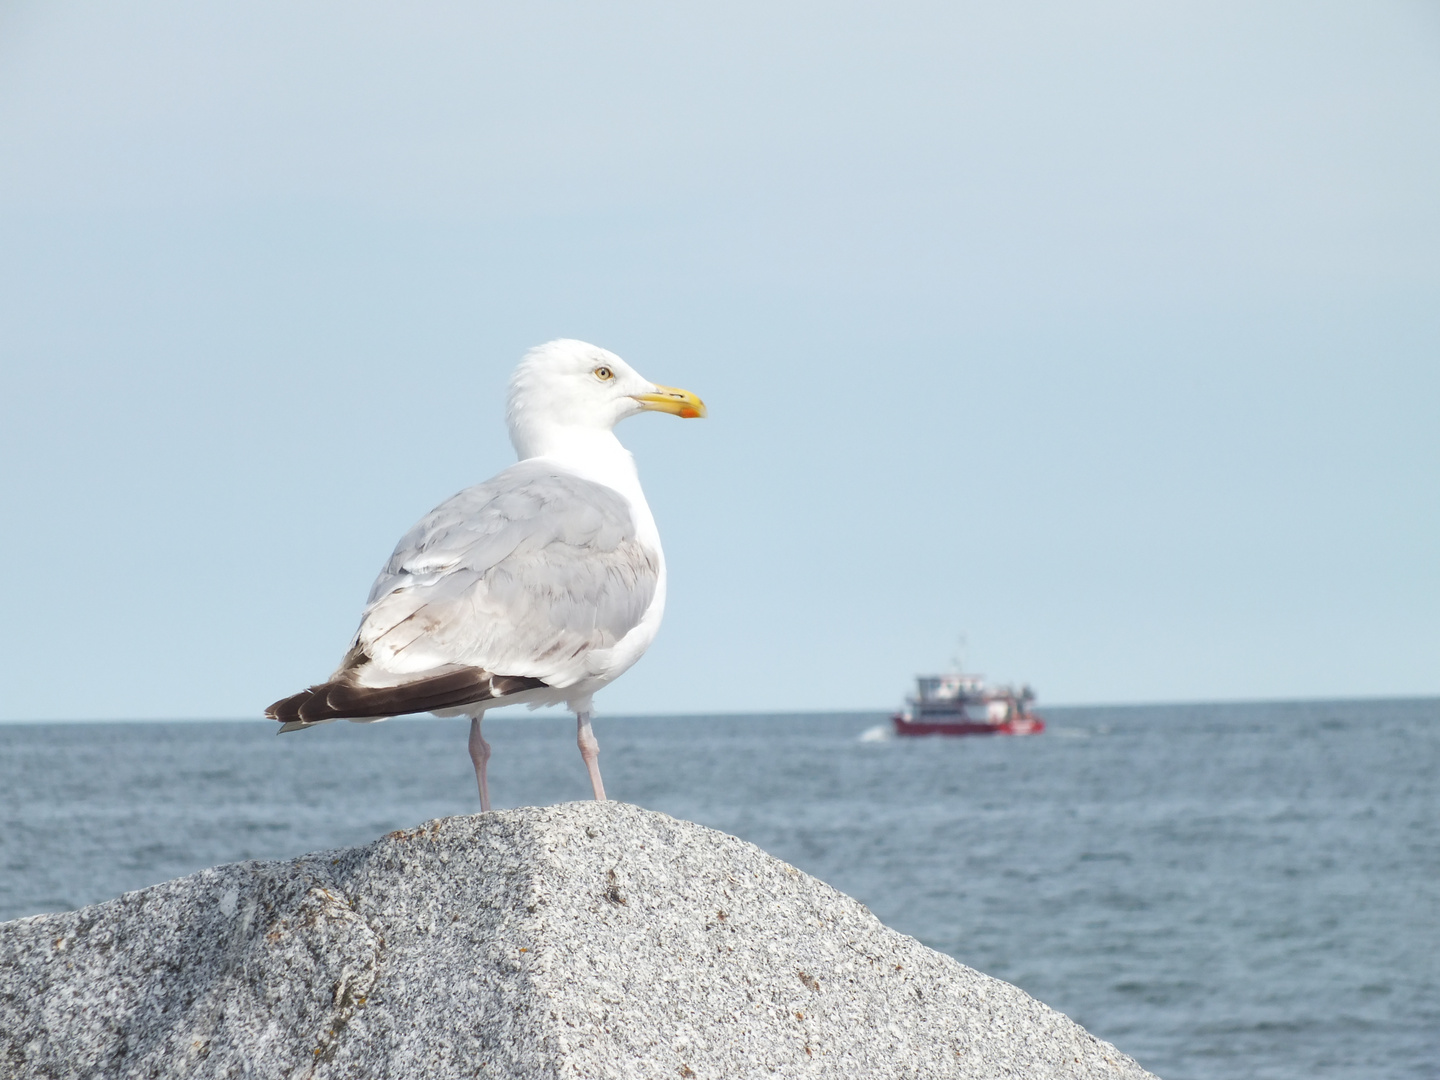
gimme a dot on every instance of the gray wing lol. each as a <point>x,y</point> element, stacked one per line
<point>523,575</point>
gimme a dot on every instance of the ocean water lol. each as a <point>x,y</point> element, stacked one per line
<point>1224,891</point>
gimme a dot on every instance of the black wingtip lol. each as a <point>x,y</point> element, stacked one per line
<point>342,699</point>
<point>287,710</point>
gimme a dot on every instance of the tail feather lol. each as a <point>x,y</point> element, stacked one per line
<point>343,699</point>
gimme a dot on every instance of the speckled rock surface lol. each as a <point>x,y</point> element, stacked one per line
<point>585,940</point>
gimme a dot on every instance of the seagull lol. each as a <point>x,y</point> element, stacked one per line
<point>538,587</point>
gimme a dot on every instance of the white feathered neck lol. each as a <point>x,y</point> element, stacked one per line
<point>559,411</point>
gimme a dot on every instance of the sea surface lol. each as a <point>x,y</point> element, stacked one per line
<point>1223,891</point>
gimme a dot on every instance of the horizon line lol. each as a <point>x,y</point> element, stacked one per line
<point>886,710</point>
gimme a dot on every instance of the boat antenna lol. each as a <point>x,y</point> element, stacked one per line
<point>958,660</point>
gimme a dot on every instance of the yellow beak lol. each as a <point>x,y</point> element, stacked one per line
<point>668,399</point>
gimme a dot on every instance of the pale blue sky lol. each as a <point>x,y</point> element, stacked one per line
<point>1107,334</point>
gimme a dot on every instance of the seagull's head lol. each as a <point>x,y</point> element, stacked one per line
<point>569,385</point>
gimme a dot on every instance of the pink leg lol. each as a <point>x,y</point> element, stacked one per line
<point>480,755</point>
<point>590,751</point>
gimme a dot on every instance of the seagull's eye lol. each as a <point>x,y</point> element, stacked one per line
<point>604,374</point>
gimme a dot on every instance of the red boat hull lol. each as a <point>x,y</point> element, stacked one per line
<point>1023,725</point>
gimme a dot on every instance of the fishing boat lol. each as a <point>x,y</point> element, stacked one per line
<point>964,705</point>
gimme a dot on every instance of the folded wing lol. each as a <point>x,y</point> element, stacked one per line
<point>513,584</point>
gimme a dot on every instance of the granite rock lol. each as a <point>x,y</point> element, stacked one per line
<point>589,940</point>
